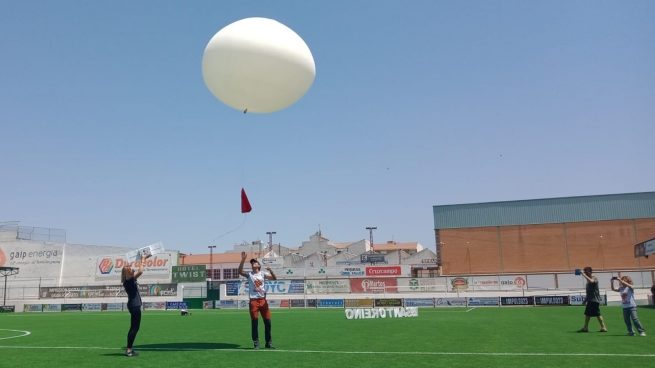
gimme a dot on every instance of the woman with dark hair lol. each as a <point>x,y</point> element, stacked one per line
<point>128,279</point>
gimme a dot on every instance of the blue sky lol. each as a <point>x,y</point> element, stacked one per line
<point>108,131</point>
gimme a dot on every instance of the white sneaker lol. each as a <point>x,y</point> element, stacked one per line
<point>642,334</point>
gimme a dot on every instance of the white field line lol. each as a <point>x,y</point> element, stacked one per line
<point>23,333</point>
<point>425,353</point>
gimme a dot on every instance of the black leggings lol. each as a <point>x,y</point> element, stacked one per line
<point>255,331</point>
<point>135,323</point>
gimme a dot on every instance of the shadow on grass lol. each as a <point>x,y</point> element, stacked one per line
<point>181,346</point>
<point>187,346</point>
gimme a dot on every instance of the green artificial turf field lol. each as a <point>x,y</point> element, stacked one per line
<point>449,337</point>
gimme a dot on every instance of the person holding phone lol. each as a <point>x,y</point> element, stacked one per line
<point>629,305</point>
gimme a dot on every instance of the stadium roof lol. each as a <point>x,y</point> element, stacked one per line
<point>546,211</point>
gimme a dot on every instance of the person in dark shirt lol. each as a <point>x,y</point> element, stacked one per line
<point>593,300</point>
<point>128,279</point>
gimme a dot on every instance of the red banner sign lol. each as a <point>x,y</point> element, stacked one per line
<point>383,271</point>
<point>377,285</point>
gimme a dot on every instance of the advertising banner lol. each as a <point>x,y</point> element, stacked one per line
<point>272,287</point>
<point>232,288</point>
<point>450,302</point>
<point>111,266</point>
<point>643,249</point>
<point>384,271</point>
<point>277,303</point>
<point>154,305</point>
<point>208,304</point>
<point>112,306</point>
<point>482,302</point>
<point>52,307</point>
<point>311,303</point>
<point>516,282</point>
<point>43,260</point>
<point>372,258</point>
<point>7,309</point>
<point>419,302</point>
<point>297,303</point>
<point>91,307</point>
<point>458,283</point>
<point>71,307</point>
<point>577,299</point>
<point>290,272</point>
<point>359,303</point>
<point>428,284</point>
<point>376,285</point>
<point>197,273</point>
<point>518,300</point>
<point>327,286</point>
<point>105,291</point>
<point>33,308</point>
<point>551,300</point>
<point>330,303</point>
<point>352,271</point>
<point>272,262</point>
<point>176,305</point>
<point>226,304</point>
<point>389,302</point>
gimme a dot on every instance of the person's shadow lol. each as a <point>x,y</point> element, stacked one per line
<point>187,346</point>
<point>183,346</point>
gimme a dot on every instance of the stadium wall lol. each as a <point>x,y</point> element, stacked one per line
<point>563,247</point>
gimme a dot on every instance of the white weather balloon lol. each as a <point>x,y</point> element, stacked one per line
<point>258,65</point>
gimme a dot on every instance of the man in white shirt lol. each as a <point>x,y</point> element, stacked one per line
<point>258,304</point>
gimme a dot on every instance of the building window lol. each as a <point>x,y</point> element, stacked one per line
<point>230,273</point>
<point>214,274</point>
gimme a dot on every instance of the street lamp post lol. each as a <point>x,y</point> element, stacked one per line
<point>211,264</point>
<point>270,240</point>
<point>370,231</point>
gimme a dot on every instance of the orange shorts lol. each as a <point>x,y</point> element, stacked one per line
<point>259,305</point>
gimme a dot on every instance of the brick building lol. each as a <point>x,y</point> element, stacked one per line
<point>545,235</point>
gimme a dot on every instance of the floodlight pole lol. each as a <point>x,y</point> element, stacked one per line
<point>370,231</point>
<point>270,240</point>
<point>211,265</point>
<point>6,272</point>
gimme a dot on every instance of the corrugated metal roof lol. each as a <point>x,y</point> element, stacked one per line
<point>546,211</point>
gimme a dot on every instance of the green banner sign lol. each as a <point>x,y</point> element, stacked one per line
<point>189,273</point>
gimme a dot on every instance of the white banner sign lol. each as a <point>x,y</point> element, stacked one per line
<point>327,286</point>
<point>111,266</point>
<point>272,262</point>
<point>516,282</point>
<point>149,250</point>
<point>41,260</point>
